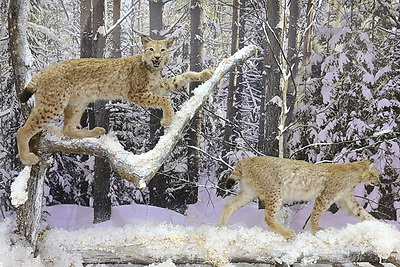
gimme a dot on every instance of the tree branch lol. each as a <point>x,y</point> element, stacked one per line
<point>140,169</point>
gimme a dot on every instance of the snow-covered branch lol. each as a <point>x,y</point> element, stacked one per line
<point>140,169</point>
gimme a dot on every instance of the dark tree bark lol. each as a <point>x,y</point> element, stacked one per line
<point>157,186</point>
<point>86,29</point>
<point>101,184</point>
<point>196,64</point>
<point>271,80</point>
<point>232,106</point>
<point>156,25</point>
<point>293,60</point>
<point>116,41</point>
<point>235,87</point>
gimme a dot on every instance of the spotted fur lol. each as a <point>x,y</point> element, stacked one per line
<point>275,180</point>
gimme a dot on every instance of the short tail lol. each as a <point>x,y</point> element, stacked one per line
<point>28,92</point>
<point>236,175</point>
<point>25,95</point>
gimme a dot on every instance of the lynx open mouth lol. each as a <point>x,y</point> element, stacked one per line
<point>156,63</point>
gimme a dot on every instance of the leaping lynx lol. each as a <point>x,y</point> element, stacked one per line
<point>71,85</point>
<point>274,180</point>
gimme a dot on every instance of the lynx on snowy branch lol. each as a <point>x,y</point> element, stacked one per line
<point>274,180</point>
<point>70,85</point>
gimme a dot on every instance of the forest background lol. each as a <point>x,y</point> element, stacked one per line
<point>324,87</point>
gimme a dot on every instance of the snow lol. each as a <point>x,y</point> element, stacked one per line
<point>19,193</point>
<point>162,235</point>
<point>14,251</point>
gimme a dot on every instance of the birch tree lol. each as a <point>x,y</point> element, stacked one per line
<point>21,61</point>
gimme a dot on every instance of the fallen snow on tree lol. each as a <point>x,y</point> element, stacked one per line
<point>219,246</point>
<point>19,192</point>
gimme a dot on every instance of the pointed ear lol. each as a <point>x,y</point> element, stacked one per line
<point>169,42</point>
<point>145,39</point>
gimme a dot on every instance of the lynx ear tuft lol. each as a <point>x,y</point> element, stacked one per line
<point>145,39</point>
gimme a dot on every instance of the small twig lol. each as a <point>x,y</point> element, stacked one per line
<point>214,158</point>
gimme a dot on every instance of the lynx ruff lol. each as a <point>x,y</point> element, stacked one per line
<point>274,180</point>
<point>69,86</point>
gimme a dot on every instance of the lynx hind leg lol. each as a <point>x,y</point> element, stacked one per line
<point>350,205</point>
<point>273,203</point>
<point>36,122</point>
<point>149,99</point>
<point>322,203</point>
<point>243,198</point>
<point>72,117</point>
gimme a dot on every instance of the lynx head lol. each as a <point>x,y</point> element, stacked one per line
<point>155,54</point>
<point>370,174</point>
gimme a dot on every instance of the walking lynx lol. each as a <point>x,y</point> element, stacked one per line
<point>274,180</point>
<point>71,85</point>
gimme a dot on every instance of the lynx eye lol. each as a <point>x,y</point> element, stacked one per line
<point>151,49</point>
<point>163,50</point>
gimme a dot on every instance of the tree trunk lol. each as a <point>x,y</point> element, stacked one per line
<point>86,29</point>
<point>101,184</point>
<point>307,34</point>
<point>232,108</point>
<point>29,215</point>
<point>272,81</point>
<point>234,88</point>
<point>116,52</point>
<point>194,129</point>
<point>294,63</point>
<point>160,183</point>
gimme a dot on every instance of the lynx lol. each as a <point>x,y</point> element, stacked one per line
<point>274,180</point>
<point>69,86</point>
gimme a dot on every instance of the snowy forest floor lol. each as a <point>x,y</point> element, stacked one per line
<point>146,235</point>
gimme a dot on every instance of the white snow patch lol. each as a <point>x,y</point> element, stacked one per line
<point>276,100</point>
<point>19,193</point>
<point>382,132</point>
<point>14,250</point>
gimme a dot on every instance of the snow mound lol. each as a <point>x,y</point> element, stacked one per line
<point>19,193</point>
<point>14,250</point>
<point>219,246</point>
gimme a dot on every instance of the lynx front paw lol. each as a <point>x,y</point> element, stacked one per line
<point>29,159</point>
<point>97,131</point>
<point>206,74</point>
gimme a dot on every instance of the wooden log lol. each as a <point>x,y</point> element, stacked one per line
<point>135,255</point>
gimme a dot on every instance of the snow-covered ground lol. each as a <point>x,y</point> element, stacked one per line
<point>161,234</point>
